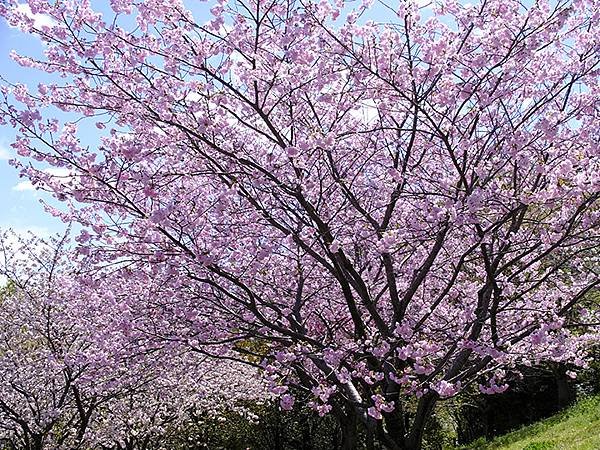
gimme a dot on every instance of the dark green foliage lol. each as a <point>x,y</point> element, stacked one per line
<point>266,427</point>
<point>261,427</point>
<point>575,428</point>
<point>541,392</point>
<point>440,431</point>
<point>8,288</point>
<point>588,383</point>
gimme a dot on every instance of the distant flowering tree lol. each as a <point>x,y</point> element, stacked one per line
<point>34,385</point>
<point>75,376</point>
<point>378,204</point>
<point>46,399</point>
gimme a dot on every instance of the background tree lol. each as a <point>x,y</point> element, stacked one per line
<point>386,210</point>
<point>41,402</point>
<point>74,375</point>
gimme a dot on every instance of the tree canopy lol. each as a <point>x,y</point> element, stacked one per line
<point>374,208</point>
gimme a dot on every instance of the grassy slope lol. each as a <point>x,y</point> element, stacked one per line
<point>577,428</point>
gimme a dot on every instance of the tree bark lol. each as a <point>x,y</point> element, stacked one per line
<point>424,409</point>
<point>564,391</point>
<point>348,428</point>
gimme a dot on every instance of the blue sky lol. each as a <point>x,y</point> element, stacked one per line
<point>20,204</point>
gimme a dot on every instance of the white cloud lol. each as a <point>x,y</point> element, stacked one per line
<point>59,172</point>
<point>193,97</point>
<point>527,102</point>
<point>23,186</point>
<point>24,232</point>
<point>39,20</point>
<point>366,111</point>
<point>4,153</point>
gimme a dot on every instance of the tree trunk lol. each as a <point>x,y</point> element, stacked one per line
<point>370,436</point>
<point>37,441</point>
<point>348,424</point>
<point>424,409</point>
<point>564,390</point>
<point>395,424</point>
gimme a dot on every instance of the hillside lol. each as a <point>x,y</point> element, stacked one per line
<point>577,428</point>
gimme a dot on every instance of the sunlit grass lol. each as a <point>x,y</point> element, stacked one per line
<point>577,428</point>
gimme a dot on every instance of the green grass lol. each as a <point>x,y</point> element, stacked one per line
<point>577,428</point>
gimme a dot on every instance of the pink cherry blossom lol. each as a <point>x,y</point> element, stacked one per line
<point>340,202</point>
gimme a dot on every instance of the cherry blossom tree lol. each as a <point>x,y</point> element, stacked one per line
<point>381,205</point>
<point>72,376</point>
<point>39,399</point>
